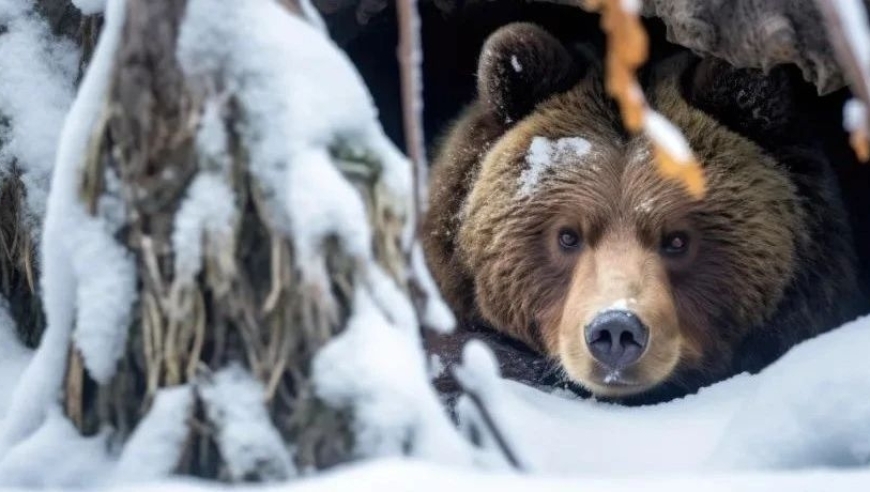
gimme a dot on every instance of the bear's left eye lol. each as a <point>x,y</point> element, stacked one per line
<point>569,239</point>
<point>675,244</point>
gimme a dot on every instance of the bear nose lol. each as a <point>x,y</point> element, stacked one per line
<point>616,338</point>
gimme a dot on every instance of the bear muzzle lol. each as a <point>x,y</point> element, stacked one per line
<point>619,332</point>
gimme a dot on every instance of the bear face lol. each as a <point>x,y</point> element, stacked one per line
<point>551,224</point>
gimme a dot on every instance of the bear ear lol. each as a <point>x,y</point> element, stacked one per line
<point>520,65</point>
<point>747,101</point>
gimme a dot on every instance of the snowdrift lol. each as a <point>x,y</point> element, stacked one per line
<point>804,421</point>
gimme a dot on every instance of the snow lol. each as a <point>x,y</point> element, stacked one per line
<point>619,305</point>
<point>87,277</point>
<point>806,410</point>
<point>395,474</point>
<point>56,455</point>
<point>854,115</point>
<point>645,206</point>
<point>103,272</point>
<point>543,153</point>
<point>515,64</point>
<point>309,11</point>
<point>248,442</point>
<point>208,211</point>
<point>665,134</point>
<point>631,6</point>
<point>208,214</point>
<point>394,407</point>
<point>90,7</point>
<point>154,449</point>
<point>436,366</point>
<point>14,357</point>
<point>391,301</point>
<point>36,90</point>
<point>290,125</point>
<point>436,315</point>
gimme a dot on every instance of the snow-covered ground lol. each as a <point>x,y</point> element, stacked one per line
<point>403,475</point>
<point>802,424</point>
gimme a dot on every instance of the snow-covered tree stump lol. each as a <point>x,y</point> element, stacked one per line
<point>227,255</point>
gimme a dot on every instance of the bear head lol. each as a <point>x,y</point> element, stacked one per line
<point>573,242</point>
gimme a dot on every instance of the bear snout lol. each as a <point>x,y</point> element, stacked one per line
<point>619,333</point>
<point>616,339</point>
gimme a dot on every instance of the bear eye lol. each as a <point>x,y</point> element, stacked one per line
<point>675,244</point>
<point>569,239</point>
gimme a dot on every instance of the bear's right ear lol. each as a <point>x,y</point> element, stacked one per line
<point>747,101</point>
<point>521,65</point>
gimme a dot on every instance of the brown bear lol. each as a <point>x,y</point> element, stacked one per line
<point>549,223</point>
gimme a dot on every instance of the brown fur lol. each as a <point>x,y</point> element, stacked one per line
<point>770,255</point>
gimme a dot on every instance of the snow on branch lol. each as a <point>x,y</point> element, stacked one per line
<point>154,450</point>
<point>88,278</point>
<point>248,442</point>
<point>36,90</point>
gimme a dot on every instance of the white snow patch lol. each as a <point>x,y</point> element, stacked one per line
<point>36,90</point>
<point>56,455</point>
<point>854,115</point>
<point>515,64</point>
<point>248,442</point>
<point>90,7</point>
<point>613,376</point>
<point>665,134</point>
<point>104,273</point>
<point>645,206</point>
<point>436,366</point>
<point>479,376</point>
<point>623,304</point>
<point>14,357</point>
<point>631,6</point>
<point>543,153</point>
<point>436,315</point>
<point>87,277</point>
<point>392,302</point>
<point>154,450</point>
<point>290,122</point>
<point>393,405</point>
<point>206,216</point>
<point>479,370</point>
